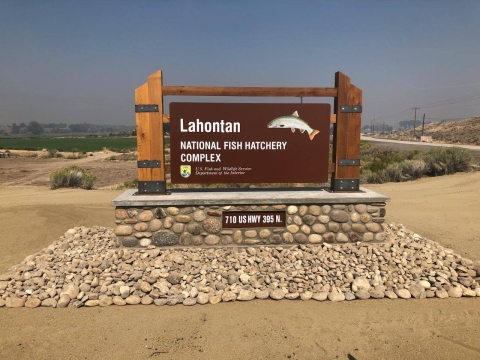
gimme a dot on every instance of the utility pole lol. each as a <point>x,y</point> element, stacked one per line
<point>423,124</point>
<point>415,124</point>
<point>373,124</point>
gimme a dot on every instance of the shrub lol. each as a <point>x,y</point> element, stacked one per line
<point>53,153</point>
<point>384,165</point>
<point>72,176</point>
<point>443,161</point>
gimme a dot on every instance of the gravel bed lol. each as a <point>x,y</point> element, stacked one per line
<point>85,268</point>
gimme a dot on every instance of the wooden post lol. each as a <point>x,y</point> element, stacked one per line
<point>346,136</point>
<point>149,125</point>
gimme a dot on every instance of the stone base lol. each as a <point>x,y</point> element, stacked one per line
<point>188,218</point>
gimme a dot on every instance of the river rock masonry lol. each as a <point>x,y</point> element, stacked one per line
<point>201,225</point>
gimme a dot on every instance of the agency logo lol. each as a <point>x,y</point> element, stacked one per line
<point>185,170</point>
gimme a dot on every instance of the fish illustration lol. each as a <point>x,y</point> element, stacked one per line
<point>293,122</point>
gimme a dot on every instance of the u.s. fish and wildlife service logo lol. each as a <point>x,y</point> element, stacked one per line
<point>185,170</point>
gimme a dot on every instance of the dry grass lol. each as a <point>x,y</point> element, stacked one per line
<point>465,132</point>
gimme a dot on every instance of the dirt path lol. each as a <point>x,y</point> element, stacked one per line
<point>444,209</point>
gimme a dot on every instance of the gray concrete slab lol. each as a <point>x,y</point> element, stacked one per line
<point>246,197</point>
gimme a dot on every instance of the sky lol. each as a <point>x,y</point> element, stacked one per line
<point>80,61</point>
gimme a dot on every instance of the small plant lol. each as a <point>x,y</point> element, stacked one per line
<point>132,184</point>
<point>53,153</point>
<point>72,176</point>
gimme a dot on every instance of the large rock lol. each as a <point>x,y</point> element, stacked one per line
<point>339,216</point>
<point>129,241</point>
<point>229,296</point>
<point>336,296</point>
<point>133,300</point>
<point>32,302</point>
<point>292,209</point>
<point>212,225</point>
<point>165,238</point>
<point>319,228</point>
<point>183,218</point>
<point>71,290</point>
<point>315,239</point>
<point>359,228</point>
<point>300,238</point>
<point>362,294</point>
<point>373,227</point>
<point>145,216</point>
<point>321,296</point>
<point>417,291</point>
<point>154,225</point>
<point>342,238</point>
<point>14,302</point>
<point>262,294</point>
<point>49,303</point>
<point>245,295</point>
<point>63,301</point>
<point>309,219</point>
<point>123,230</point>
<point>185,239</point>
<point>195,229</point>
<point>174,278</point>
<point>199,215</point>
<point>202,298</point>
<point>141,226</point>
<point>455,292</point>
<point>121,214</point>
<point>403,293</point>
<point>212,239</point>
<point>277,294</point>
<point>360,283</point>
<point>441,294</point>
<point>293,228</point>
<point>237,237</point>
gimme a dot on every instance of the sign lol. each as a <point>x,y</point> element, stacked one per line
<point>249,219</point>
<point>249,143</point>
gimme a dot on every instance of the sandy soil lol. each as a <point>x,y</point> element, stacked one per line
<point>444,209</point>
<point>35,171</point>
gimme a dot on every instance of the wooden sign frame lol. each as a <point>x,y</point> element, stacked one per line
<point>346,120</point>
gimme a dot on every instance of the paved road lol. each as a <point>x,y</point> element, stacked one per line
<point>418,144</point>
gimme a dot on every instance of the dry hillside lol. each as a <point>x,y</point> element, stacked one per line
<point>452,132</point>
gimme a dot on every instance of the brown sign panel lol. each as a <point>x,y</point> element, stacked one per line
<point>253,219</point>
<point>249,143</point>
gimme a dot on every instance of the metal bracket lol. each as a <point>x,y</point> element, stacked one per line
<point>351,108</point>
<point>347,185</point>
<point>349,162</point>
<point>146,108</point>
<point>151,187</point>
<point>148,163</point>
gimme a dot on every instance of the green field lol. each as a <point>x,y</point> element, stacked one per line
<point>70,143</point>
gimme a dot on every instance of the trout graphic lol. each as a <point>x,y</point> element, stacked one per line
<point>293,122</point>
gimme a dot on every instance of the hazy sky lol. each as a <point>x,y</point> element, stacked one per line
<point>80,61</point>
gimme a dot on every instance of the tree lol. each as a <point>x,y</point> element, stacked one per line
<point>15,129</point>
<point>35,128</point>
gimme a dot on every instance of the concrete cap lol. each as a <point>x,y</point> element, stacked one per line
<point>194,197</point>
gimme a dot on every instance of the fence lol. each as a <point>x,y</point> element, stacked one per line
<point>150,117</point>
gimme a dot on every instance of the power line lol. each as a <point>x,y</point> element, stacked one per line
<point>458,99</point>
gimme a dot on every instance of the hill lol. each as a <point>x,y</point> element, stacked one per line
<point>451,132</point>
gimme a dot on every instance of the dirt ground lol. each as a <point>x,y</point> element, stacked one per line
<point>444,209</point>
<point>35,171</point>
